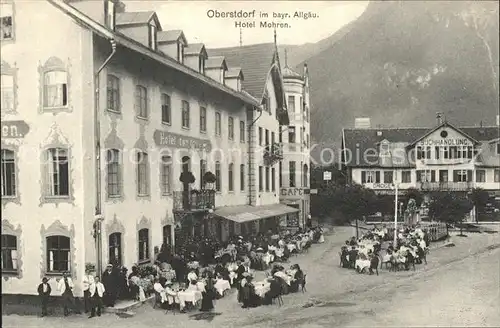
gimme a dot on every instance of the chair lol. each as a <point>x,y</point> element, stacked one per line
<point>303,284</point>
<point>280,300</point>
<point>156,300</point>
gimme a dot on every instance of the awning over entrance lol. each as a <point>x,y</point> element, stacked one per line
<point>246,213</point>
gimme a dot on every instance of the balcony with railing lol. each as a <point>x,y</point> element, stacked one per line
<point>273,153</point>
<point>446,186</point>
<point>193,200</point>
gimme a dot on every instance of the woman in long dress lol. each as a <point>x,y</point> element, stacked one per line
<point>207,302</point>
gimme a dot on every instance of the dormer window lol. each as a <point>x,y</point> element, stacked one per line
<point>201,64</point>
<point>384,148</point>
<point>152,36</point>
<point>223,76</point>
<point>109,11</point>
<point>180,52</point>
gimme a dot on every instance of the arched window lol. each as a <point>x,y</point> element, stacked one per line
<point>114,172</point>
<point>167,235</point>
<point>113,89</point>
<point>143,248</point>
<point>58,254</point>
<point>166,175</point>
<point>55,89</point>
<point>230,177</point>
<point>8,167</point>
<point>9,253</point>
<point>57,172</point>
<point>141,101</point>
<point>8,90</point>
<point>242,177</point>
<point>217,177</point>
<point>142,174</point>
<point>305,173</point>
<point>203,170</point>
<point>115,248</point>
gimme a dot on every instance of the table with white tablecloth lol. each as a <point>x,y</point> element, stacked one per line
<point>188,296</point>
<point>362,264</point>
<point>262,287</point>
<point>221,286</point>
<point>284,276</point>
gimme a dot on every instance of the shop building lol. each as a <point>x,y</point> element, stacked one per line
<point>441,158</point>
<point>263,81</point>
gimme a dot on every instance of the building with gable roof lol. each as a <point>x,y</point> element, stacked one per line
<point>266,81</point>
<point>442,158</point>
<point>109,130</point>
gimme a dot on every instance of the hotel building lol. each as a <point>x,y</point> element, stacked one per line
<point>295,167</point>
<point>440,158</point>
<point>100,124</point>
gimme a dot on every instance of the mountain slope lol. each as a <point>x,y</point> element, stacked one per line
<point>399,64</point>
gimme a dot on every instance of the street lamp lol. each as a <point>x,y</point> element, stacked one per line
<point>396,203</point>
<point>395,210</point>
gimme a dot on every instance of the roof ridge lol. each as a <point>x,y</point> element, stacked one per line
<point>415,128</point>
<point>244,46</point>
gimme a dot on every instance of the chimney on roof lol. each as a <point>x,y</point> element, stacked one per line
<point>440,118</point>
<point>362,123</point>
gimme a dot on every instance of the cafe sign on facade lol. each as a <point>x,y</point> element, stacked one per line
<point>293,193</point>
<point>178,141</point>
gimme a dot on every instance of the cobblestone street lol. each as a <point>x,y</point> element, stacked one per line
<point>460,281</point>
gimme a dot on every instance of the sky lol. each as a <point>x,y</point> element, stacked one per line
<point>192,18</point>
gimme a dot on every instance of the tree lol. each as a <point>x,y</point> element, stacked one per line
<point>449,207</point>
<point>347,203</point>
<point>415,194</point>
<point>479,199</point>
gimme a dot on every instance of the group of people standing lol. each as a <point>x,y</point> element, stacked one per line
<point>96,294</point>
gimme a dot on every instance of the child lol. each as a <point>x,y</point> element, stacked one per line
<point>44,291</point>
<point>96,293</point>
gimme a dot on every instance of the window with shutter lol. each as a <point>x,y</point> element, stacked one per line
<point>433,176</point>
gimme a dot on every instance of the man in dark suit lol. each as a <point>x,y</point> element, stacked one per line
<point>44,291</point>
<point>110,281</point>
<point>353,254</point>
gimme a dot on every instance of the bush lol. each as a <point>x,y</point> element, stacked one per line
<point>147,270</point>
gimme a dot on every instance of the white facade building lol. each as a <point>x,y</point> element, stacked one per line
<point>99,122</point>
<point>295,166</point>
<point>443,158</point>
